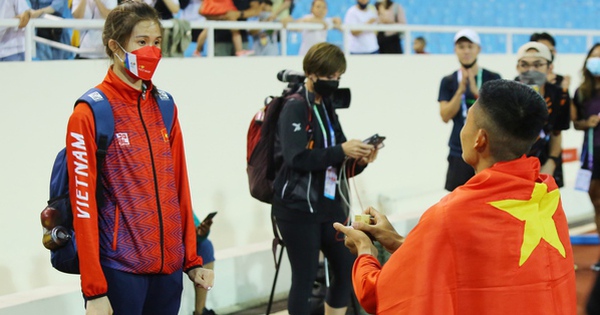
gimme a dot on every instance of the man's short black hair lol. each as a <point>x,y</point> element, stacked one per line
<point>535,37</point>
<point>514,115</point>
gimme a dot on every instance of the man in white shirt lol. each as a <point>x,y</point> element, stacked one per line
<point>362,42</point>
<point>12,39</point>
<point>91,40</point>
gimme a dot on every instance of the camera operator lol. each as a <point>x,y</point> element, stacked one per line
<point>311,186</point>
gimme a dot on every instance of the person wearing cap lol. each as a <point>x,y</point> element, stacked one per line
<point>534,60</point>
<point>554,78</point>
<point>458,92</point>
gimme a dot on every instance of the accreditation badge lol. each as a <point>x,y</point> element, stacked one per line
<point>330,182</point>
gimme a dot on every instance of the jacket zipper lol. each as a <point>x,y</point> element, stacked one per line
<point>308,193</point>
<point>158,208</point>
<point>116,230</point>
<point>284,187</point>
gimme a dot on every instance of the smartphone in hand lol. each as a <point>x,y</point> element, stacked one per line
<point>210,216</point>
<point>376,140</point>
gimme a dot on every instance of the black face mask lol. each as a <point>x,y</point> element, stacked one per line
<point>326,87</point>
<point>469,66</point>
<point>362,6</point>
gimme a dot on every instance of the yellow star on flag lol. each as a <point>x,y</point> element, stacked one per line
<point>537,214</point>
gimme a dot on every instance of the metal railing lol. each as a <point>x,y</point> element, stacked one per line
<point>31,38</point>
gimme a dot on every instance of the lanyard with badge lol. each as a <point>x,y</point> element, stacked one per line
<point>331,173</point>
<point>584,176</point>
<point>463,98</point>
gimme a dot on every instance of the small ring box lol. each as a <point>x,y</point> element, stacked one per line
<point>365,218</point>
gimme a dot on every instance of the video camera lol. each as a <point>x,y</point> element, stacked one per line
<point>340,98</point>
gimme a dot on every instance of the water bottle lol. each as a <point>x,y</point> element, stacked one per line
<point>56,237</point>
<point>50,218</point>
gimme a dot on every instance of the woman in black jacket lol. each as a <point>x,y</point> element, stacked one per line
<point>310,189</point>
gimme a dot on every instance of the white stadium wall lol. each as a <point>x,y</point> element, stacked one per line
<point>395,96</point>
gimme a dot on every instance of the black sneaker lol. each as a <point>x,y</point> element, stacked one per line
<point>596,266</point>
<point>206,311</point>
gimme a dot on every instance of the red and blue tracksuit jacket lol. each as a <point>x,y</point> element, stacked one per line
<point>145,223</point>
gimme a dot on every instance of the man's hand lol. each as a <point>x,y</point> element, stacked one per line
<point>357,241</point>
<point>472,81</point>
<point>99,306</point>
<point>462,85</point>
<point>381,229</point>
<point>201,277</point>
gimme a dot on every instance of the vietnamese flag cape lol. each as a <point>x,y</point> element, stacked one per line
<point>497,245</point>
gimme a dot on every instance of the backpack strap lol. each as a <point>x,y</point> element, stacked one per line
<point>103,119</point>
<point>105,122</point>
<point>167,108</point>
<point>105,128</point>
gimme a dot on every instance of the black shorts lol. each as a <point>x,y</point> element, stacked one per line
<point>459,172</point>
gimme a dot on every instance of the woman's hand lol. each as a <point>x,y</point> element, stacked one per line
<point>369,159</point>
<point>99,306</point>
<point>201,277</point>
<point>357,149</point>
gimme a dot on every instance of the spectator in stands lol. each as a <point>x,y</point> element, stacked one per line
<point>57,8</point>
<point>205,249</point>
<point>362,42</point>
<point>390,13</point>
<point>563,82</point>
<point>92,39</point>
<point>167,9</point>
<point>548,40</point>
<point>586,117</point>
<point>192,14</point>
<point>534,60</point>
<point>419,45</point>
<point>458,92</point>
<point>318,13</point>
<point>479,250</point>
<point>265,42</point>
<point>12,39</point>
<point>281,9</point>
<point>224,44</point>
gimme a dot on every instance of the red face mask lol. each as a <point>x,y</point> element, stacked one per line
<point>141,63</point>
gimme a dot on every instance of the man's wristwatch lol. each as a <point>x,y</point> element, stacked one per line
<point>241,14</point>
<point>556,159</point>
